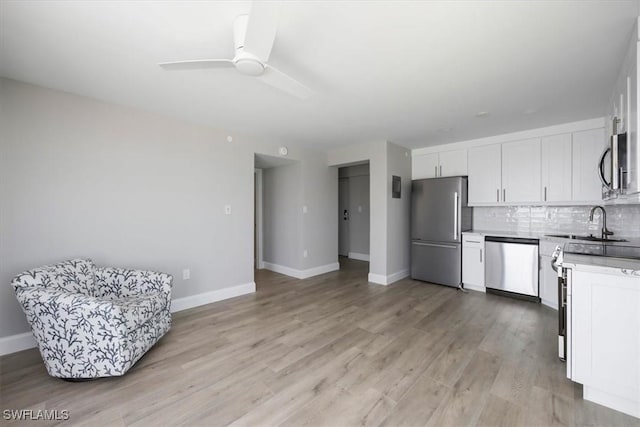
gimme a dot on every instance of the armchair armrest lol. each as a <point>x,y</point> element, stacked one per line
<point>120,283</point>
<point>76,333</point>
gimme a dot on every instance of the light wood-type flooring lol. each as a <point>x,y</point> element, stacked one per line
<point>332,351</point>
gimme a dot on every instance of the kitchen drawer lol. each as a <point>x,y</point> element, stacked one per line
<point>473,240</point>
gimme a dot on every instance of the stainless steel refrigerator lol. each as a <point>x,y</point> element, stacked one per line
<point>439,215</point>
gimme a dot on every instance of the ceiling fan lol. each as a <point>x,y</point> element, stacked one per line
<point>253,37</point>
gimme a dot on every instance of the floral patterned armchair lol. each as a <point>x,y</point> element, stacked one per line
<point>93,322</point>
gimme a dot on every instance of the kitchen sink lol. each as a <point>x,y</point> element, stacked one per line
<point>590,238</point>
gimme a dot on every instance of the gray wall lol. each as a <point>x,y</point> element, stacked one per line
<point>79,177</point>
<point>398,210</point>
<point>389,218</point>
<point>320,224</point>
<point>282,197</point>
<point>376,154</point>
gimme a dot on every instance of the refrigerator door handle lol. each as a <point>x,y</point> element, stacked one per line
<point>455,216</point>
<point>436,245</point>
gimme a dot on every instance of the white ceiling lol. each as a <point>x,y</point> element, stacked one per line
<point>410,72</point>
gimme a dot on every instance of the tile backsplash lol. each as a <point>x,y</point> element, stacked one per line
<point>623,220</point>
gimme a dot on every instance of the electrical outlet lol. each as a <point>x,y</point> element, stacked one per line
<point>186,274</point>
<point>305,253</point>
<point>359,209</point>
<point>227,209</point>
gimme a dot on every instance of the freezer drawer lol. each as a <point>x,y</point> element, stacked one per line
<point>437,262</point>
<point>511,265</point>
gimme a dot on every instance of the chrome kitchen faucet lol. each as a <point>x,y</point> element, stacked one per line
<point>605,232</point>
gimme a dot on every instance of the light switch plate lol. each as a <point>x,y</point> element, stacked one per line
<point>227,209</point>
<point>305,209</point>
<point>186,274</point>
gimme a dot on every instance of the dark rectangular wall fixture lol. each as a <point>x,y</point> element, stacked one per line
<point>396,187</point>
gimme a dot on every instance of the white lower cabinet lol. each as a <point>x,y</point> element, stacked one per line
<point>605,337</point>
<point>473,261</point>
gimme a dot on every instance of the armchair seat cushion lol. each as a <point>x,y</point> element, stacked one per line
<point>137,310</point>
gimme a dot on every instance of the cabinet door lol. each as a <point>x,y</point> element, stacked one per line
<point>485,179</point>
<point>453,163</point>
<point>424,166</point>
<point>605,321</point>
<point>548,283</point>
<point>521,171</point>
<point>473,266</point>
<point>556,168</point>
<point>587,147</point>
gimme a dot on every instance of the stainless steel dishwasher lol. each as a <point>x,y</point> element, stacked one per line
<point>511,266</point>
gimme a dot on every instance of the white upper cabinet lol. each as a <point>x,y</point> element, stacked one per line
<point>453,163</point>
<point>521,171</point>
<point>424,166</point>
<point>549,169</point>
<point>485,180</point>
<point>588,145</point>
<point>555,168</point>
<point>433,165</point>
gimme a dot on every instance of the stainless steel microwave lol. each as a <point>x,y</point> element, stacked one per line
<point>614,172</point>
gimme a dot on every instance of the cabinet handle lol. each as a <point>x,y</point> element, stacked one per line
<point>440,170</point>
<point>497,194</point>
<point>480,255</point>
<point>545,193</point>
<point>435,170</point>
<point>504,194</point>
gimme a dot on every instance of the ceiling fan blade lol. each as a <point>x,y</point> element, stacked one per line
<point>261,28</point>
<point>196,64</point>
<point>280,80</point>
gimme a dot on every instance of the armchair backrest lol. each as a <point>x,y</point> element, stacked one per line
<point>73,276</point>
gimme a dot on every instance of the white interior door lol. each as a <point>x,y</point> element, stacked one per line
<point>343,217</point>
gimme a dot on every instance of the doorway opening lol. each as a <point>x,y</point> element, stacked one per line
<point>354,215</point>
<point>273,208</point>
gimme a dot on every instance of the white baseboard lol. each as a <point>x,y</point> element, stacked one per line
<point>359,256</point>
<point>619,403</point>
<point>302,274</point>
<point>191,301</point>
<point>475,287</point>
<point>316,271</point>
<point>18,342</point>
<point>381,279</point>
<point>550,304</point>
<point>398,275</point>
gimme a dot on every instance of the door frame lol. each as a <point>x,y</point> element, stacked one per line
<point>341,218</point>
<point>258,211</point>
